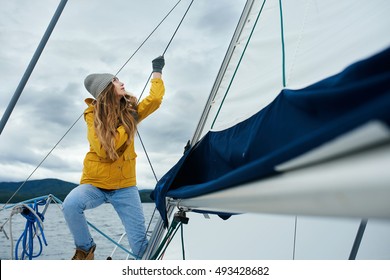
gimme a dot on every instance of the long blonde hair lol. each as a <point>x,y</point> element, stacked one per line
<point>110,114</point>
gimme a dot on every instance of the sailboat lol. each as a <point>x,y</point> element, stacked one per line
<point>281,133</point>
<point>293,140</point>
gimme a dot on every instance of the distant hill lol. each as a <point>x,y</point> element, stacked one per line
<point>36,188</point>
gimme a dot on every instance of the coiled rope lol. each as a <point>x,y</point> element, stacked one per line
<point>34,228</point>
<point>33,216</point>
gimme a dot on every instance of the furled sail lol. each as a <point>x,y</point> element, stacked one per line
<point>299,76</point>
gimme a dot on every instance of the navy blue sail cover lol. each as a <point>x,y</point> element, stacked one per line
<point>295,122</point>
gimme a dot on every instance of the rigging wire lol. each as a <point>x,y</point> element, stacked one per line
<point>36,168</point>
<point>177,28</point>
<point>169,43</point>
<point>358,239</point>
<point>238,64</point>
<point>295,236</point>
<point>182,241</point>
<point>147,38</point>
<point>243,53</point>
<point>147,156</point>
<point>282,41</point>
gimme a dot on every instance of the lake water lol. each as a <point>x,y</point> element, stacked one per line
<point>59,239</point>
<point>250,236</point>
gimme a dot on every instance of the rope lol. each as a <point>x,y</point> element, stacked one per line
<point>31,213</point>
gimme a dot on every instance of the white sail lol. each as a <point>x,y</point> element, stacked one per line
<point>293,44</point>
<point>321,38</point>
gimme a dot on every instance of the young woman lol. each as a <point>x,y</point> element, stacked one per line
<point>109,173</point>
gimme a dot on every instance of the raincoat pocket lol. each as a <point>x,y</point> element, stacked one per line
<point>96,168</point>
<point>128,170</point>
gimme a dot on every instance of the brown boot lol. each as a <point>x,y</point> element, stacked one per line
<point>83,255</point>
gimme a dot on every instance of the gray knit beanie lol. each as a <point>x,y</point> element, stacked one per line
<point>96,83</point>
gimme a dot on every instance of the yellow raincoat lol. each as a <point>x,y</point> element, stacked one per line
<point>104,173</point>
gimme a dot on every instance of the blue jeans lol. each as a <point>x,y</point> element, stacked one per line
<point>126,203</point>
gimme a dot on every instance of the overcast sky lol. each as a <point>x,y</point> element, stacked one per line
<point>99,36</point>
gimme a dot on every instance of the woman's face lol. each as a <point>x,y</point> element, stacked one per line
<point>119,87</point>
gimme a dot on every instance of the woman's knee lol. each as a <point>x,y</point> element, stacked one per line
<point>69,205</point>
<point>83,197</point>
<point>73,201</point>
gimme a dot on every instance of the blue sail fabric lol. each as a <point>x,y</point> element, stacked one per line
<point>295,122</point>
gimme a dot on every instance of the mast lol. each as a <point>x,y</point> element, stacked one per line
<point>32,64</point>
<point>237,33</point>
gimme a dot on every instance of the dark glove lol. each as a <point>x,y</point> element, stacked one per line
<point>158,64</point>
